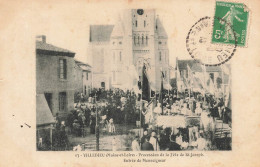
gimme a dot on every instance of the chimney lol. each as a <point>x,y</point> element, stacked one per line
<point>42,38</point>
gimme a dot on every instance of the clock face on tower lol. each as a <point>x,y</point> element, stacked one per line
<point>140,11</point>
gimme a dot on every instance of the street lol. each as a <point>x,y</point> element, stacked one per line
<point>121,140</point>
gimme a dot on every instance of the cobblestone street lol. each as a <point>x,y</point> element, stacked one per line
<point>121,140</point>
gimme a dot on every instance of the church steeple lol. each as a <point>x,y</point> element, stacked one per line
<point>160,29</point>
<point>118,30</point>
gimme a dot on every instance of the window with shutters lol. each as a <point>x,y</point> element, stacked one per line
<point>62,101</point>
<point>62,68</point>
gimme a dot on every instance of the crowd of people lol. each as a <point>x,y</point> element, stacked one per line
<point>203,113</point>
<point>106,108</point>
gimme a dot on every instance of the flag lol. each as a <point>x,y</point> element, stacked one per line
<point>179,81</point>
<point>212,87</point>
<point>204,78</point>
<point>145,85</point>
<point>190,76</point>
<point>228,94</point>
<point>161,93</point>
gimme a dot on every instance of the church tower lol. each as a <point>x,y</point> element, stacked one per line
<point>119,51</point>
<point>117,59</point>
<point>149,42</point>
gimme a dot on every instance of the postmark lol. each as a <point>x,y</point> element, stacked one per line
<point>231,15</point>
<point>199,46</point>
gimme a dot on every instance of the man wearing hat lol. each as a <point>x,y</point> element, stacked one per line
<point>147,146</point>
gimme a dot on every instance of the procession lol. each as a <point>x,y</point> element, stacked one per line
<point>130,99</point>
<point>175,123</point>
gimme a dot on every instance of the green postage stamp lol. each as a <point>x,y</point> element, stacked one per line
<point>230,23</point>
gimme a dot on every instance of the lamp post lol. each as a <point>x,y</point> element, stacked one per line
<point>97,125</point>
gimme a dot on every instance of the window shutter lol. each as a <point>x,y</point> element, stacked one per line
<point>58,68</point>
<point>65,68</point>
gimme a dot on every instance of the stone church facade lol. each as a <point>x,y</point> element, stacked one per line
<point>119,51</point>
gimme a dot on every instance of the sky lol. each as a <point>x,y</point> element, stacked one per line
<point>66,25</point>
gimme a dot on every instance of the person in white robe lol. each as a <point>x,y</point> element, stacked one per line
<point>185,110</point>
<point>158,109</point>
<point>154,142</point>
<point>198,109</point>
<point>135,144</point>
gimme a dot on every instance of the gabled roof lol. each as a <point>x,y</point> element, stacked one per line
<point>183,63</point>
<point>83,66</point>
<point>196,66</point>
<point>160,29</point>
<point>100,33</point>
<point>81,63</point>
<point>48,49</point>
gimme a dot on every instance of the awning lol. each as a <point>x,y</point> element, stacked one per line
<point>43,112</point>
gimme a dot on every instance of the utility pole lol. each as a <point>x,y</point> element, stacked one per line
<point>97,126</point>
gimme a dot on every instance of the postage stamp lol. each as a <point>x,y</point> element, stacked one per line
<point>200,47</point>
<point>231,15</point>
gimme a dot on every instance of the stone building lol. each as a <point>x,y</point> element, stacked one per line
<point>119,51</point>
<point>83,78</point>
<point>54,76</point>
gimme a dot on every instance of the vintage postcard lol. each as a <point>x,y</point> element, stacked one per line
<point>130,83</point>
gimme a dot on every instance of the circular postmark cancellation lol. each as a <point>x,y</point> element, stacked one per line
<point>199,46</point>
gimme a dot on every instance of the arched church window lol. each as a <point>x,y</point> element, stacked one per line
<point>146,40</point>
<point>142,39</point>
<point>144,23</point>
<point>134,40</point>
<point>136,23</point>
<point>138,40</point>
<point>160,56</point>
